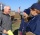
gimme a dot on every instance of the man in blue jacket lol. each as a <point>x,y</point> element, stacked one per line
<point>34,23</point>
<point>37,4</point>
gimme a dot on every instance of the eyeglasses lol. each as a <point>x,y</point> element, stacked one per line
<point>9,9</point>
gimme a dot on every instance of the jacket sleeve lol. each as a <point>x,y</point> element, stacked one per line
<point>21,25</point>
<point>37,30</point>
<point>0,23</point>
<point>24,24</point>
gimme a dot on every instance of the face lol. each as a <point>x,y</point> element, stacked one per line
<point>25,15</point>
<point>34,12</point>
<point>7,10</point>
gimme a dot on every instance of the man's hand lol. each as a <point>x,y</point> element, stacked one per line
<point>5,32</point>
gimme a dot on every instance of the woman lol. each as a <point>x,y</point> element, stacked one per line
<point>24,21</point>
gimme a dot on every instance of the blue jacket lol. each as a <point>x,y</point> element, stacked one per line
<point>23,25</point>
<point>32,26</point>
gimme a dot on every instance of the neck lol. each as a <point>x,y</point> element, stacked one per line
<point>4,12</point>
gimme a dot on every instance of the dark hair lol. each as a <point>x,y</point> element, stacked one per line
<point>33,9</point>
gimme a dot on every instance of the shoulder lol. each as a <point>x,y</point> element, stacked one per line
<point>0,13</point>
<point>38,18</point>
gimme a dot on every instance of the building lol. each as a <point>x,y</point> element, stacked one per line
<point>1,6</point>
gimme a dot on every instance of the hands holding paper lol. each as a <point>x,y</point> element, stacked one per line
<point>9,32</point>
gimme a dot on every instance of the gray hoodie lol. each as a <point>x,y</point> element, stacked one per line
<point>5,22</point>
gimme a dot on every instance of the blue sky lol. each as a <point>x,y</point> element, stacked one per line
<point>14,4</point>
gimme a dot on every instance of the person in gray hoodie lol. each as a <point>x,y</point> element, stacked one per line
<point>5,20</point>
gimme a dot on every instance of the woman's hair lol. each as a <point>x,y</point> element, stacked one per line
<point>32,8</point>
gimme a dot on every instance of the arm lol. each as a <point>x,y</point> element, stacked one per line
<point>1,28</point>
<point>21,29</point>
<point>6,23</point>
<point>21,25</point>
<point>37,30</point>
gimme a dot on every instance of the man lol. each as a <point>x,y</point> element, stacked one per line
<point>5,20</point>
<point>37,4</point>
<point>34,23</point>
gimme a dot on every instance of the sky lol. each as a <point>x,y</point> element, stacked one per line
<point>15,4</point>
